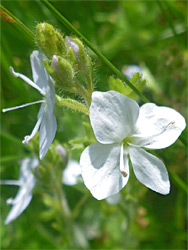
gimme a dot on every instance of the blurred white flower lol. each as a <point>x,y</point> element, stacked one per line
<point>114,199</point>
<point>122,129</point>
<point>26,183</point>
<point>130,71</point>
<point>46,119</point>
<point>72,173</point>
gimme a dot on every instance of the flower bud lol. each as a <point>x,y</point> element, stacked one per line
<point>85,64</point>
<point>50,40</point>
<point>61,71</point>
<point>70,43</point>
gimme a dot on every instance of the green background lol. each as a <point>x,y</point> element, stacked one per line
<point>126,32</point>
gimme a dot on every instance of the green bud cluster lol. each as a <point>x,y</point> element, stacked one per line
<point>68,63</point>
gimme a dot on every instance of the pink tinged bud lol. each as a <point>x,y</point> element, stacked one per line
<point>54,64</point>
<point>73,45</point>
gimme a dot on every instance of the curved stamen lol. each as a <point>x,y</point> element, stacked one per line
<point>27,138</point>
<point>27,80</point>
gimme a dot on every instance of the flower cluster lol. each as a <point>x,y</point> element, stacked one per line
<point>123,130</point>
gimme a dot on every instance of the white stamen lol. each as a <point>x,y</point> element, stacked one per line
<point>10,201</point>
<point>26,139</point>
<point>22,106</point>
<point>10,182</point>
<point>13,72</point>
<point>124,173</point>
<point>27,80</point>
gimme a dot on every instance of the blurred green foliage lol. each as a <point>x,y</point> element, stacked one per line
<point>126,32</point>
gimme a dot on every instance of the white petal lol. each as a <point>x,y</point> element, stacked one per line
<point>47,133</point>
<point>149,170</point>
<point>71,173</point>
<point>100,168</point>
<point>27,80</point>
<point>27,165</point>
<point>50,98</point>
<point>158,127</point>
<point>18,208</point>
<point>40,75</point>
<point>112,116</point>
<point>24,195</point>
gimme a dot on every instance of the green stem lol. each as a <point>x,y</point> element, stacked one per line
<point>76,210</point>
<point>64,218</point>
<point>95,50</point>
<point>72,104</point>
<point>84,92</point>
<point>90,86</point>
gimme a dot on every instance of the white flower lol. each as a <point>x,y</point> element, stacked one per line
<point>129,71</point>
<point>24,195</point>
<point>46,119</point>
<point>72,173</point>
<point>122,129</point>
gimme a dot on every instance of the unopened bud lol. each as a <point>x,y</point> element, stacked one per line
<point>54,64</point>
<point>50,40</point>
<point>85,63</point>
<point>61,71</point>
<point>74,46</point>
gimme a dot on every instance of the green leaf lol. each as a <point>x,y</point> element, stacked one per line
<point>119,86</point>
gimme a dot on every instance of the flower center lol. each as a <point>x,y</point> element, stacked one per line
<point>127,141</point>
